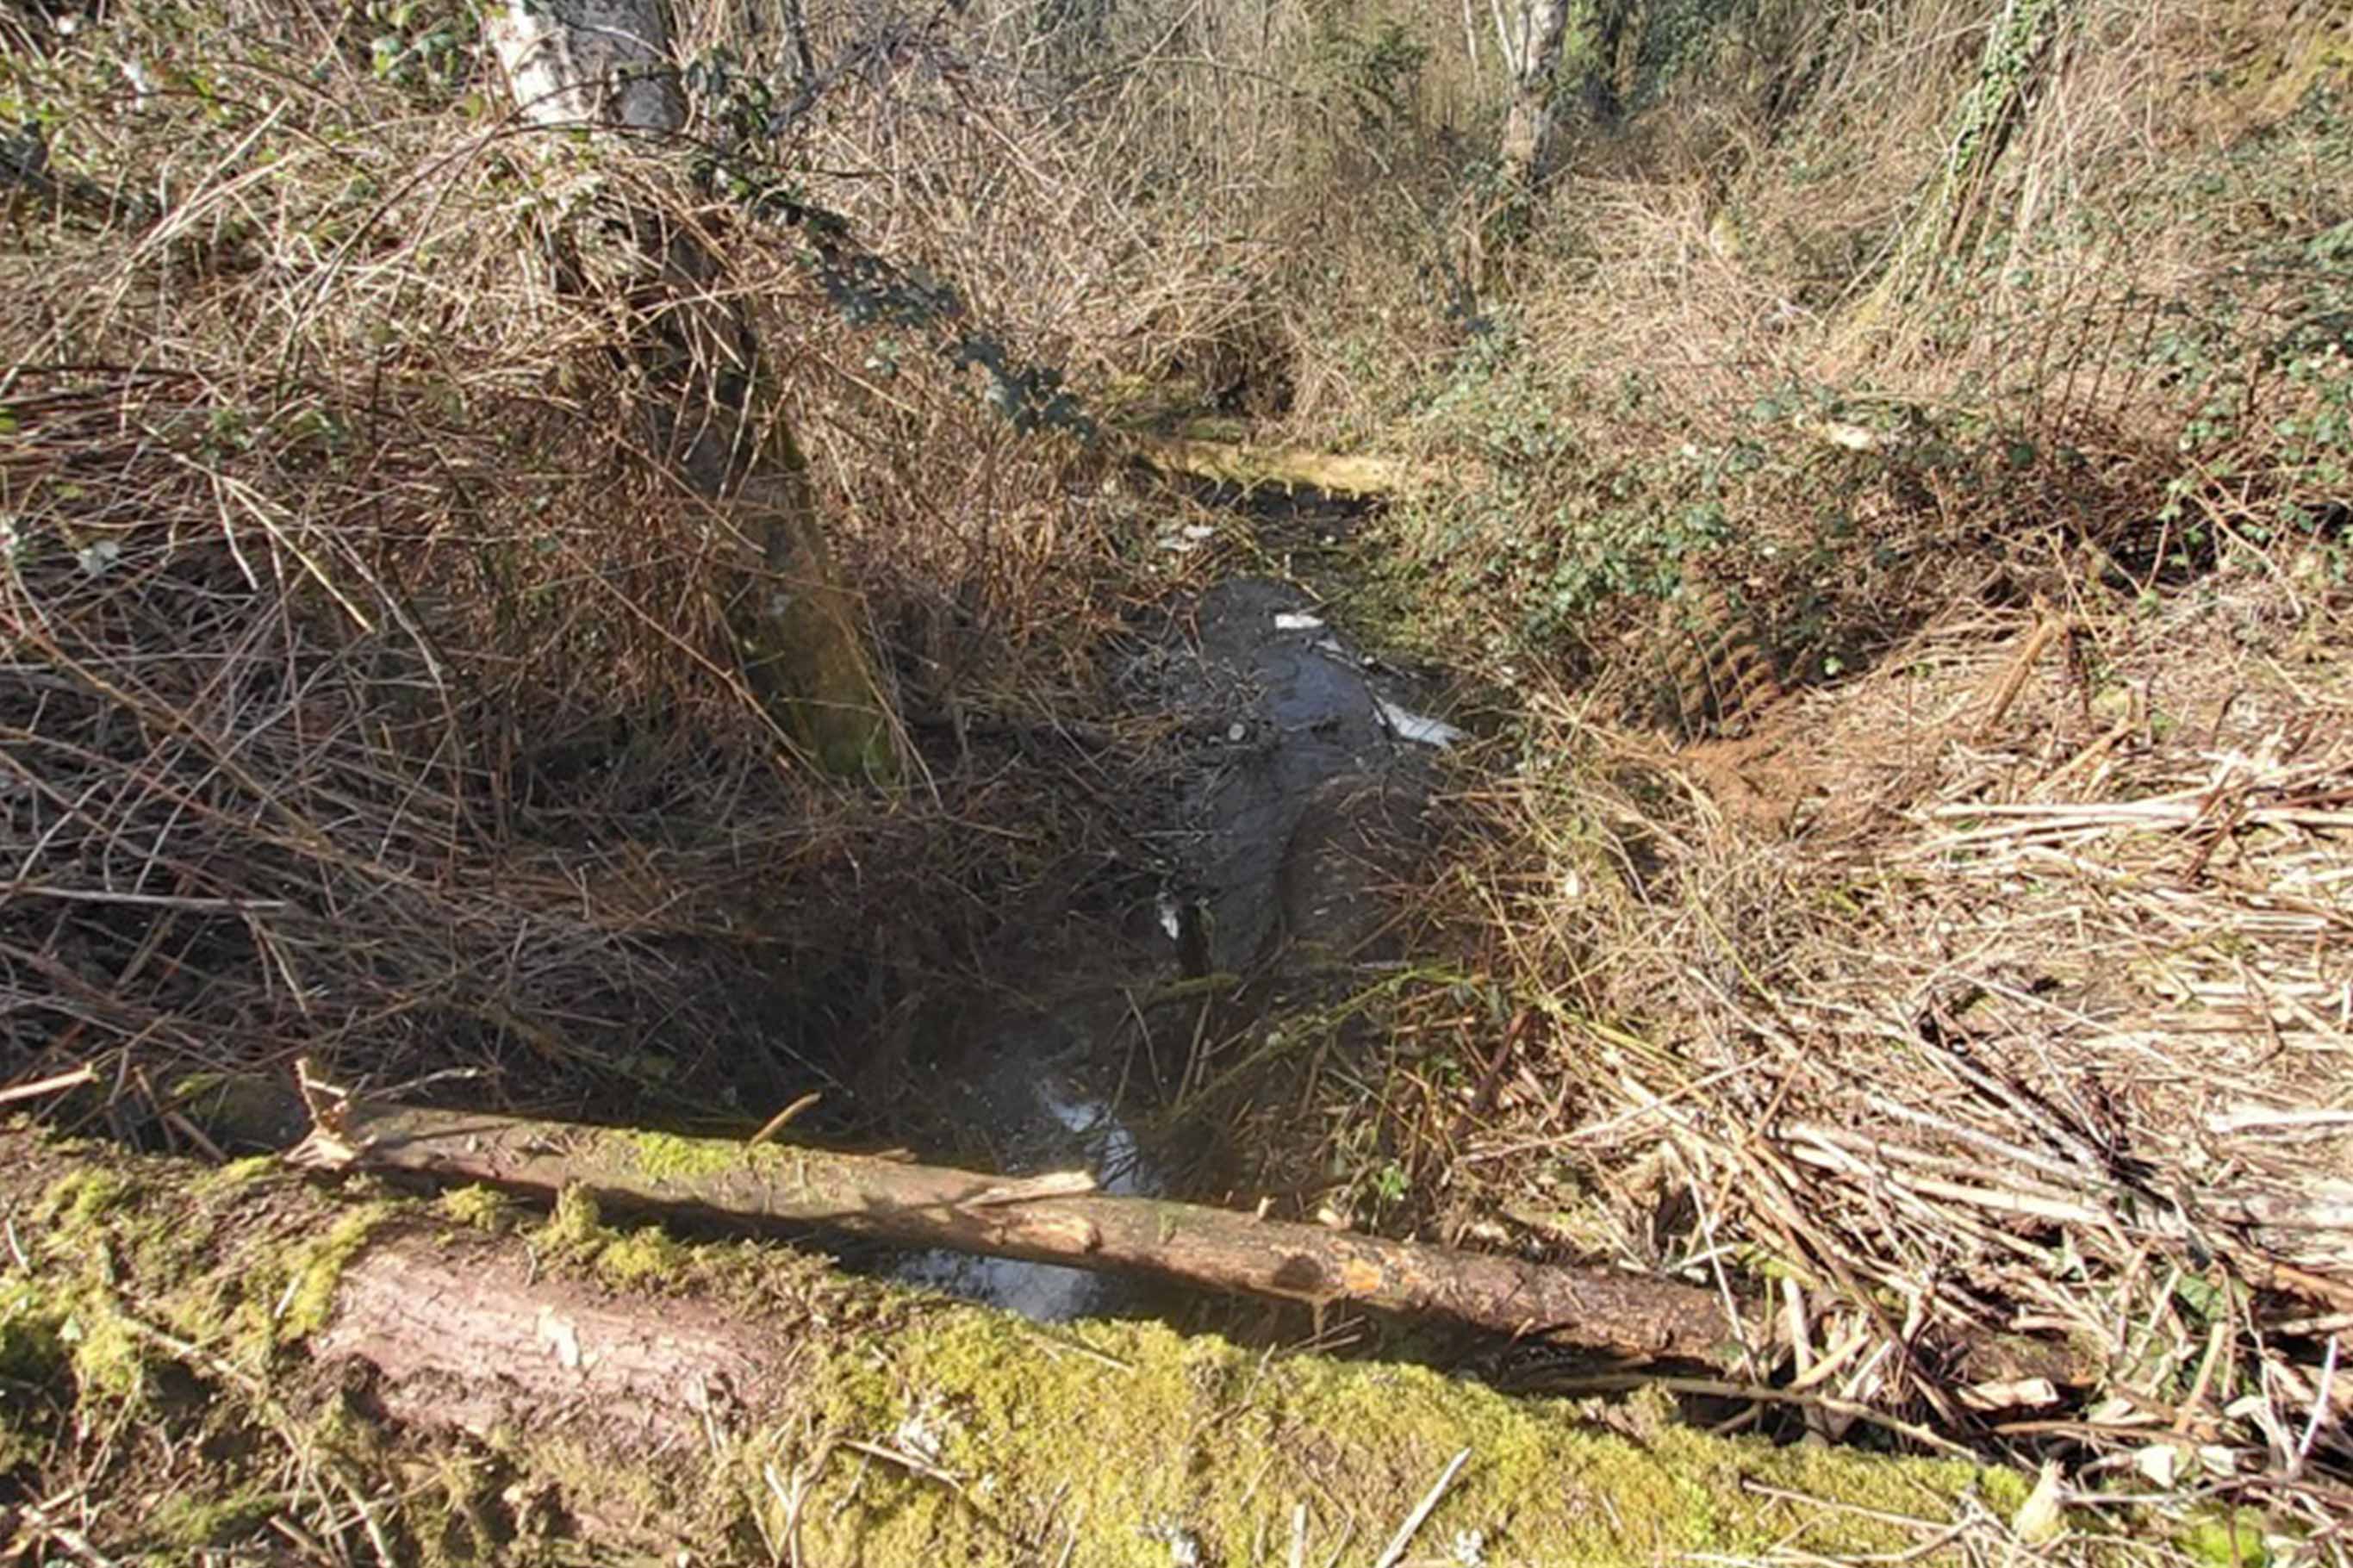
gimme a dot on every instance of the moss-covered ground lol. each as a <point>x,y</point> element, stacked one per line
<point>151,1323</point>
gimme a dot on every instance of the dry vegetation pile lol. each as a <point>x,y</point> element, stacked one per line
<point>1921,901</point>
<point>1981,997</point>
<point>367,693</point>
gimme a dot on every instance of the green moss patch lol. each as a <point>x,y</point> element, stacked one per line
<point>320,1270</point>
<point>81,1199</point>
<point>193,1519</point>
<point>1152,1438</point>
<point>668,1157</point>
<point>644,1258</point>
<point>910,1430</point>
<point>479,1207</point>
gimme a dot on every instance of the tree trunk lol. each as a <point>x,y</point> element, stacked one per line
<point>606,64</point>
<point>484,1390</point>
<point>1950,221</point>
<point>1611,78</point>
<point>1535,68</point>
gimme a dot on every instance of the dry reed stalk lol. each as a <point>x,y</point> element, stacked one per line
<point>2070,1065</point>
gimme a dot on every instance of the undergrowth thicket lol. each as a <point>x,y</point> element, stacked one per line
<point>1887,493</point>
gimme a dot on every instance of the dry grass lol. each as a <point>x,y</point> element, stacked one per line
<point>2029,1022</point>
<point>367,695</point>
<point>1920,901</point>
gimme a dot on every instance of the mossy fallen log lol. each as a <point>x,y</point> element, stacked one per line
<point>770,1187</point>
<point>741,1403</point>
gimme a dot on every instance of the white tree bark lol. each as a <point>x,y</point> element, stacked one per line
<point>1535,63</point>
<point>589,62</point>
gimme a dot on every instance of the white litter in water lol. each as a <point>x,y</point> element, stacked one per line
<point>1043,1292</point>
<point>1048,1293</point>
<point>1171,920</point>
<point>1414,727</point>
<point>1187,540</point>
<point>1297,621</point>
<point>1119,1158</point>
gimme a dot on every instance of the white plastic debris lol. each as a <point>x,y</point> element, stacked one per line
<point>1184,1547</point>
<point>2042,1517</point>
<point>1297,621</point>
<point>2009,1394</point>
<point>1187,539</point>
<point>559,1338</point>
<point>96,559</point>
<point>144,85</point>
<point>1171,920</point>
<point>920,1432</point>
<point>1416,728</point>
<point>1237,731</point>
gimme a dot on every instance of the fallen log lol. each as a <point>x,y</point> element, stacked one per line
<point>1290,468</point>
<point>788,1188</point>
<point>437,1379</point>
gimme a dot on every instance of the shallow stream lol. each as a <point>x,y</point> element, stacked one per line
<point>1306,751</point>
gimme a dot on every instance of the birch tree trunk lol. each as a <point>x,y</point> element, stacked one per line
<point>605,64</point>
<point>1535,64</point>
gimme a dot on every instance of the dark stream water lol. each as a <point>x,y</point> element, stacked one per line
<point>1306,745</point>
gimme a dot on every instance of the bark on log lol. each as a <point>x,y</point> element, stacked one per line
<point>605,65</point>
<point>646,1400</point>
<point>775,1188</point>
